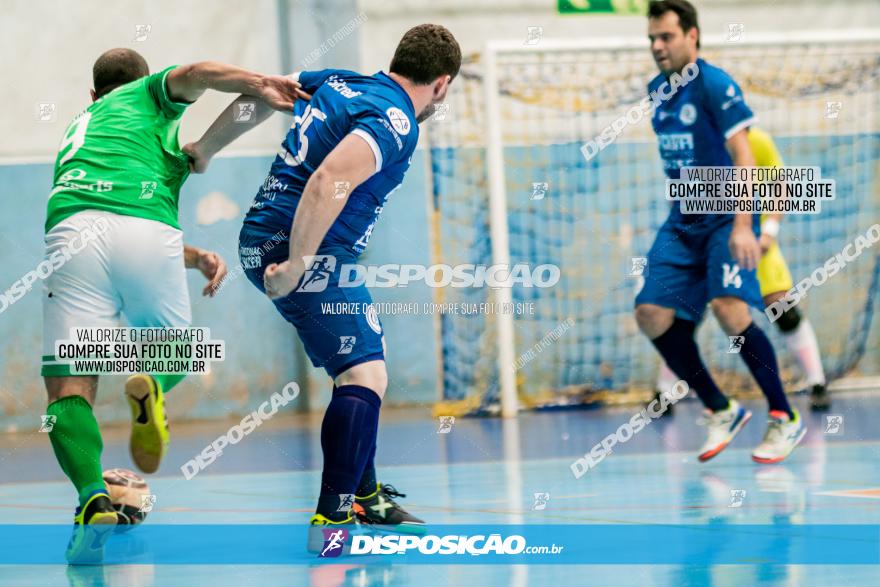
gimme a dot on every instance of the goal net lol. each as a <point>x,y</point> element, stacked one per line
<point>533,108</point>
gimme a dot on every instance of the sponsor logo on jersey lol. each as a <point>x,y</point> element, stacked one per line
<point>399,120</point>
<point>373,319</point>
<point>387,125</point>
<point>677,141</point>
<point>340,86</point>
<point>688,114</point>
<point>734,97</point>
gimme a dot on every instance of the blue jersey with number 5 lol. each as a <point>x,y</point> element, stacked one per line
<point>343,102</point>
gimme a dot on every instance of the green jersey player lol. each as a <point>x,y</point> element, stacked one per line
<point>116,248</point>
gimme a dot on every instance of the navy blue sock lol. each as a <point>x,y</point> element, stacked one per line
<point>758,354</point>
<point>367,485</point>
<point>348,438</point>
<point>679,349</point>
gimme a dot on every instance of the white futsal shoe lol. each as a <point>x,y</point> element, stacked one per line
<point>721,427</point>
<point>783,434</point>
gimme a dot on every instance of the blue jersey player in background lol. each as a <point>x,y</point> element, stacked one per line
<point>346,152</point>
<point>707,258</point>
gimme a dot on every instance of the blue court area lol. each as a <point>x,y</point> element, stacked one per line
<point>486,472</point>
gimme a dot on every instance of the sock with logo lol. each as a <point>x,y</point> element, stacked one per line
<point>348,438</point>
<point>759,357</point>
<point>76,440</point>
<point>679,349</point>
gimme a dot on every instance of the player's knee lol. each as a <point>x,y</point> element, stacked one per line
<point>732,314</point>
<point>645,315</point>
<point>372,375</point>
<point>789,320</point>
<point>653,320</point>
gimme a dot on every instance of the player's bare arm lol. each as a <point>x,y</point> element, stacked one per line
<point>351,161</point>
<point>212,266</point>
<point>224,130</point>
<point>188,82</point>
<point>743,244</point>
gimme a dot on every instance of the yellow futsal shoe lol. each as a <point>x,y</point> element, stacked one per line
<point>149,425</point>
<point>93,523</point>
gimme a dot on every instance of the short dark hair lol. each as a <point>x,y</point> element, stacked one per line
<point>425,53</point>
<point>117,67</point>
<point>687,14</point>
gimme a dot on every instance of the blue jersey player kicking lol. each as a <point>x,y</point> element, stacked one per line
<point>707,258</point>
<point>345,154</point>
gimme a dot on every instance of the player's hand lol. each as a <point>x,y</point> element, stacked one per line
<point>198,161</point>
<point>766,241</point>
<point>213,267</point>
<point>280,279</point>
<point>744,247</point>
<point>280,92</point>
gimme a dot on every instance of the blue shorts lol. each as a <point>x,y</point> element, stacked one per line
<point>338,326</point>
<point>689,265</point>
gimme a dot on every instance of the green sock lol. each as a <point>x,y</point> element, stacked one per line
<point>167,381</point>
<point>77,443</point>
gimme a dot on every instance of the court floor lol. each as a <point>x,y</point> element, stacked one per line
<point>485,471</point>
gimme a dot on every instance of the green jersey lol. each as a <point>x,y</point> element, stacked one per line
<point>122,155</point>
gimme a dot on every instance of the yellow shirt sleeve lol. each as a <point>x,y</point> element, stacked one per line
<point>764,149</point>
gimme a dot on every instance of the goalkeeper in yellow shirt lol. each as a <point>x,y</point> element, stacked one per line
<point>775,280</point>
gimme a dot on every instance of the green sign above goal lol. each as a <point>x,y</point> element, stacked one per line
<point>602,6</point>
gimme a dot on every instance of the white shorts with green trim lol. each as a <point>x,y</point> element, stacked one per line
<point>105,267</point>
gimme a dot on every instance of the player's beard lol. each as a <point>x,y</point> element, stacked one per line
<point>425,114</point>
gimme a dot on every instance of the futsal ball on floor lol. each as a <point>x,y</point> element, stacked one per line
<point>130,495</point>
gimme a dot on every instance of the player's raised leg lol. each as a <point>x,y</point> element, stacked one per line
<point>167,306</point>
<point>150,276</point>
<point>151,261</point>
